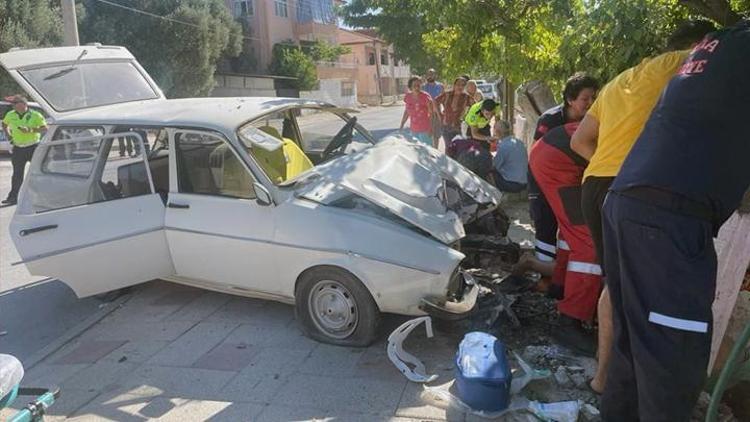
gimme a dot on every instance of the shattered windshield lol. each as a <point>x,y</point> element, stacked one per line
<point>82,85</point>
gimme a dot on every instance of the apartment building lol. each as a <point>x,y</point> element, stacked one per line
<point>273,21</point>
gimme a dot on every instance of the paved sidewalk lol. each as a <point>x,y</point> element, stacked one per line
<point>176,353</point>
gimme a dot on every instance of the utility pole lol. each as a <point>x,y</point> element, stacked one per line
<point>70,26</point>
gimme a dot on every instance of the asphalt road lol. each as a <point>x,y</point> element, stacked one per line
<point>34,311</point>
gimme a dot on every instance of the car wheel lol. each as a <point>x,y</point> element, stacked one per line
<point>334,307</point>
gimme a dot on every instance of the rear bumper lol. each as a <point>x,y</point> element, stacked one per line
<point>453,310</point>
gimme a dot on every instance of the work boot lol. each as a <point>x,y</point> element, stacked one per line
<point>9,201</point>
<point>571,334</point>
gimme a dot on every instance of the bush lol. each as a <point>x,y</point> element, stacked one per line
<point>289,60</point>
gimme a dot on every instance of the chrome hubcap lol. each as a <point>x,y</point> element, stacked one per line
<point>333,309</point>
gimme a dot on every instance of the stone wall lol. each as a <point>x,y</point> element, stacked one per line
<point>243,86</point>
<point>340,92</point>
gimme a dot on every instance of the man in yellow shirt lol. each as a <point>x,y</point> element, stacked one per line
<point>23,127</point>
<point>605,137</point>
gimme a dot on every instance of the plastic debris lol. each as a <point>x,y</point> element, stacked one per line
<point>590,413</point>
<point>562,378</point>
<point>441,396</point>
<point>401,358</point>
<point>564,411</point>
<point>529,374</point>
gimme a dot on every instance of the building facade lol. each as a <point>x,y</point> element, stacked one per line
<point>380,77</point>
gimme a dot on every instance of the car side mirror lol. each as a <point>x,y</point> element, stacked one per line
<point>262,195</point>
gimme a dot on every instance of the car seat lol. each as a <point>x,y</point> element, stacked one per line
<point>284,163</point>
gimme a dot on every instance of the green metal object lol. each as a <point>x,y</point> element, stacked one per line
<point>727,373</point>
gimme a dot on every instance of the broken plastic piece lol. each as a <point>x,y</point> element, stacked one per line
<point>402,358</point>
<point>564,411</point>
<point>441,396</point>
<point>529,374</point>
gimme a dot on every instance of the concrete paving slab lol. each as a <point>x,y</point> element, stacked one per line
<point>256,312</point>
<point>255,387</point>
<point>201,307</point>
<point>136,351</point>
<point>178,296</point>
<point>98,377</point>
<point>45,375</point>
<point>288,338</point>
<point>332,361</point>
<point>68,402</point>
<point>227,357</point>
<point>374,363</point>
<point>189,347</point>
<point>412,405</point>
<point>274,413</point>
<point>193,383</point>
<point>137,330</point>
<point>342,394</point>
<point>90,351</point>
<point>113,407</point>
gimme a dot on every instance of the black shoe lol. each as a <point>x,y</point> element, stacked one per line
<point>571,334</point>
<point>555,291</point>
<point>9,201</point>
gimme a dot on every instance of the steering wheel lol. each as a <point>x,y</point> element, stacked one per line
<point>341,139</point>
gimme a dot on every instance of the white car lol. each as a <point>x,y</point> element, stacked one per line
<point>281,199</point>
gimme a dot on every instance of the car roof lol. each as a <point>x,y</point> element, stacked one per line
<point>221,114</point>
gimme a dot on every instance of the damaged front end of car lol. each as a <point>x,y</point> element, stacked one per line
<point>427,192</point>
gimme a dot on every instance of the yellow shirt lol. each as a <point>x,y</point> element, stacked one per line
<point>623,106</point>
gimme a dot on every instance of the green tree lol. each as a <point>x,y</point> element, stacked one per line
<point>289,60</point>
<point>28,24</point>
<point>181,53</point>
<point>323,51</point>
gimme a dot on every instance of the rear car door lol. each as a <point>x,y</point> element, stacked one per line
<point>90,217</point>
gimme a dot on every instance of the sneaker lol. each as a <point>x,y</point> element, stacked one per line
<point>571,335</point>
<point>9,201</point>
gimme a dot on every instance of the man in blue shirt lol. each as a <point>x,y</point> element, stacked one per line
<point>684,177</point>
<point>511,160</point>
<point>434,88</point>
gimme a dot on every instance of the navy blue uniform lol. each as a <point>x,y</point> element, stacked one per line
<point>683,178</point>
<point>545,224</point>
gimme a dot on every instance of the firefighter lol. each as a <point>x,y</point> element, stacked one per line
<point>558,172</point>
<point>684,176</point>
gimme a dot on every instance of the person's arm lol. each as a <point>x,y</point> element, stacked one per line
<point>586,137</point>
<point>479,136</point>
<point>6,130</point>
<point>404,118</point>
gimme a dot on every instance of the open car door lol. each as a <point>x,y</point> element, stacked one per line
<point>89,215</point>
<point>67,79</point>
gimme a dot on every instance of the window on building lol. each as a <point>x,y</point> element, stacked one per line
<point>383,58</point>
<point>281,8</point>
<point>371,60</point>
<point>243,8</point>
<point>347,88</point>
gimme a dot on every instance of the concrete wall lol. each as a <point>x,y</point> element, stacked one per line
<point>243,86</point>
<point>331,91</point>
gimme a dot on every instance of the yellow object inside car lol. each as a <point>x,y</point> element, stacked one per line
<point>284,163</point>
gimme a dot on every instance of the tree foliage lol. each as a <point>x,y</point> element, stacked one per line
<point>289,60</point>
<point>323,51</point>
<point>531,39</point>
<point>28,24</point>
<point>181,57</point>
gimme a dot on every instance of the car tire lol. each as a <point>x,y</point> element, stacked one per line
<point>334,307</point>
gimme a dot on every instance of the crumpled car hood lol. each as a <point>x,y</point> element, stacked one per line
<point>409,180</point>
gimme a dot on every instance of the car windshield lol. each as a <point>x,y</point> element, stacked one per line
<point>486,89</point>
<point>83,85</point>
<point>289,143</point>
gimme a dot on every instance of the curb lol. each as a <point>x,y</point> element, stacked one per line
<point>105,309</point>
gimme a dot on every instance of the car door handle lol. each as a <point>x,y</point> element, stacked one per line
<point>178,206</point>
<point>26,232</point>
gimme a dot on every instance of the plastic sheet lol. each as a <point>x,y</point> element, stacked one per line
<point>401,358</point>
<point>11,373</point>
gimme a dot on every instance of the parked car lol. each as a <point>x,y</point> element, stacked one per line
<point>487,90</point>
<point>256,197</point>
<point>5,107</point>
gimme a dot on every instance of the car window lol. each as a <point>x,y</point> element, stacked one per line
<point>318,129</point>
<point>156,148</point>
<point>67,87</point>
<point>88,171</point>
<point>279,125</point>
<point>207,165</point>
<point>76,158</point>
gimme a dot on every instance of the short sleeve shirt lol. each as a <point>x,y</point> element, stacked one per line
<point>418,111</point>
<point>623,106</point>
<point>433,88</point>
<point>32,119</point>
<point>452,116</point>
<point>474,117</point>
